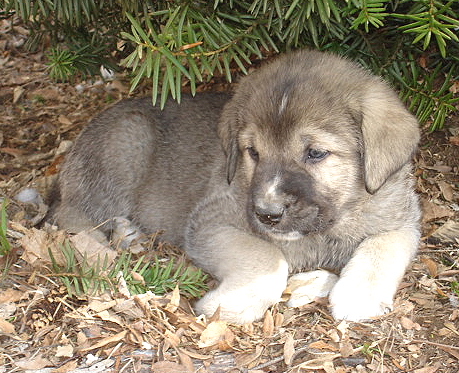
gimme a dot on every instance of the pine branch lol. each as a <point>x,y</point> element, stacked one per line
<point>85,277</point>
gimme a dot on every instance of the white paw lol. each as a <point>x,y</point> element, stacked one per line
<point>237,307</point>
<point>243,300</point>
<point>355,299</point>
<point>305,287</point>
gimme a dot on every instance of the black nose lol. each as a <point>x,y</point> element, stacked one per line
<point>269,216</point>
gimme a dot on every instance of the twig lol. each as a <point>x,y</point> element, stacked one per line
<point>435,344</point>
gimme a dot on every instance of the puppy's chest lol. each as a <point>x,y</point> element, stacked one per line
<point>316,251</point>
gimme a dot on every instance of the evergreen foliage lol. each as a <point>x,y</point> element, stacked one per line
<point>411,43</point>
<point>139,275</point>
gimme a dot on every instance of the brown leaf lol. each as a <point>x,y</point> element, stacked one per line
<point>446,190</point>
<point>321,345</point>
<point>36,244</point>
<point>431,369</point>
<point>37,362</point>
<point>244,360</point>
<point>64,351</point>
<point>71,365</point>
<point>432,211</point>
<point>409,324</point>
<point>268,324</point>
<point>175,300</point>
<point>6,327</point>
<point>431,265</point>
<point>10,296</point>
<point>105,341</point>
<point>88,246</point>
<point>17,94</point>
<point>64,120</point>
<point>214,332</point>
<point>289,349</point>
<point>168,367</point>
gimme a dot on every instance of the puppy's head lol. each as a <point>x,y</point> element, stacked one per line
<point>312,134</point>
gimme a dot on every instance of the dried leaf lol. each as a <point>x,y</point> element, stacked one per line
<point>289,349</point>
<point>64,120</point>
<point>67,367</point>
<point>64,351</point>
<point>175,300</point>
<point>36,244</point>
<point>87,245</point>
<point>431,265</point>
<point>431,369</point>
<point>321,345</point>
<point>17,94</point>
<point>268,324</point>
<point>446,190</point>
<point>409,324</point>
<point>105,341</point>
<point>214,332</point>
<point>37,362</point>
<point>6,327</point>
<point>168,367</point>
<point>10,295</point>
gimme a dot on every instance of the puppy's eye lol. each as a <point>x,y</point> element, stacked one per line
<point>253,153</point>
<point>316,155</point>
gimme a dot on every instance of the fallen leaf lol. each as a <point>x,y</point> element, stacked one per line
<point>448,232</point>
<point>446,190</point>
<point>268,324</point>
<point>244,360</point>
<point>64,120</point>
<point>431,265</point>
<point>321,345</point>
<point>67,367</point>
<point>289,349</point>
<point>87,246</point>
<point>36,244</point>
<point>175,300</point>
<point>10,295</point>
<point>432,211</point>
<point>17,94</point>
<point>105,341</point>
<point>64,351</point>
<point>168,367</point>
<point>37,362</point>
<point>409,324</point>
<point>431,369</point>
<point>6,327</point>
<point>214,332</point>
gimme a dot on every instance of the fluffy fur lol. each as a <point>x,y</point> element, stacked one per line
<point>310,169</point>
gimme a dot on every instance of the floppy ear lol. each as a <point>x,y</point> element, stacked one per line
<point>228,129</point>
<point>390,135</point>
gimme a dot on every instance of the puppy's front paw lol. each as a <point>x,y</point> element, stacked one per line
<point>355,299</point>
<point>238,307</point>
<point>244,301</point>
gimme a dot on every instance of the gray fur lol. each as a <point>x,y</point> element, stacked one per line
<point>262,201</point>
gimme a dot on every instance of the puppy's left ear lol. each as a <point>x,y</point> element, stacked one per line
<point>390,135</point>
<point>228,129</point>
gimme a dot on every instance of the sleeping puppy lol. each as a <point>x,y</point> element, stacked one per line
<point>306,166</point>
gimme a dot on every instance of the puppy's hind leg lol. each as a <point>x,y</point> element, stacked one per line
<point>75,221</point>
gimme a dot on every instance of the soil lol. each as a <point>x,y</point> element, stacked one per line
<point>44,329</point>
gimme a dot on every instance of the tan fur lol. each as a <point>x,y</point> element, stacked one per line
<point>314,173</point>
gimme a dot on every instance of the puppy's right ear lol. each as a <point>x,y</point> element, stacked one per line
<point>228,130</point>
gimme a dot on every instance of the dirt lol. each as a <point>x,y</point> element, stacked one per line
<point>43,329</point>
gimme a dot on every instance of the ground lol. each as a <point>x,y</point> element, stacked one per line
<point>43,329</point>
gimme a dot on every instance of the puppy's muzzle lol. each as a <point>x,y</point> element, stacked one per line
<point>270,215</point>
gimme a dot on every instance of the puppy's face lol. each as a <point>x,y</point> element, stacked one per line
<point>302,158</point>
<point>312,135</point>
